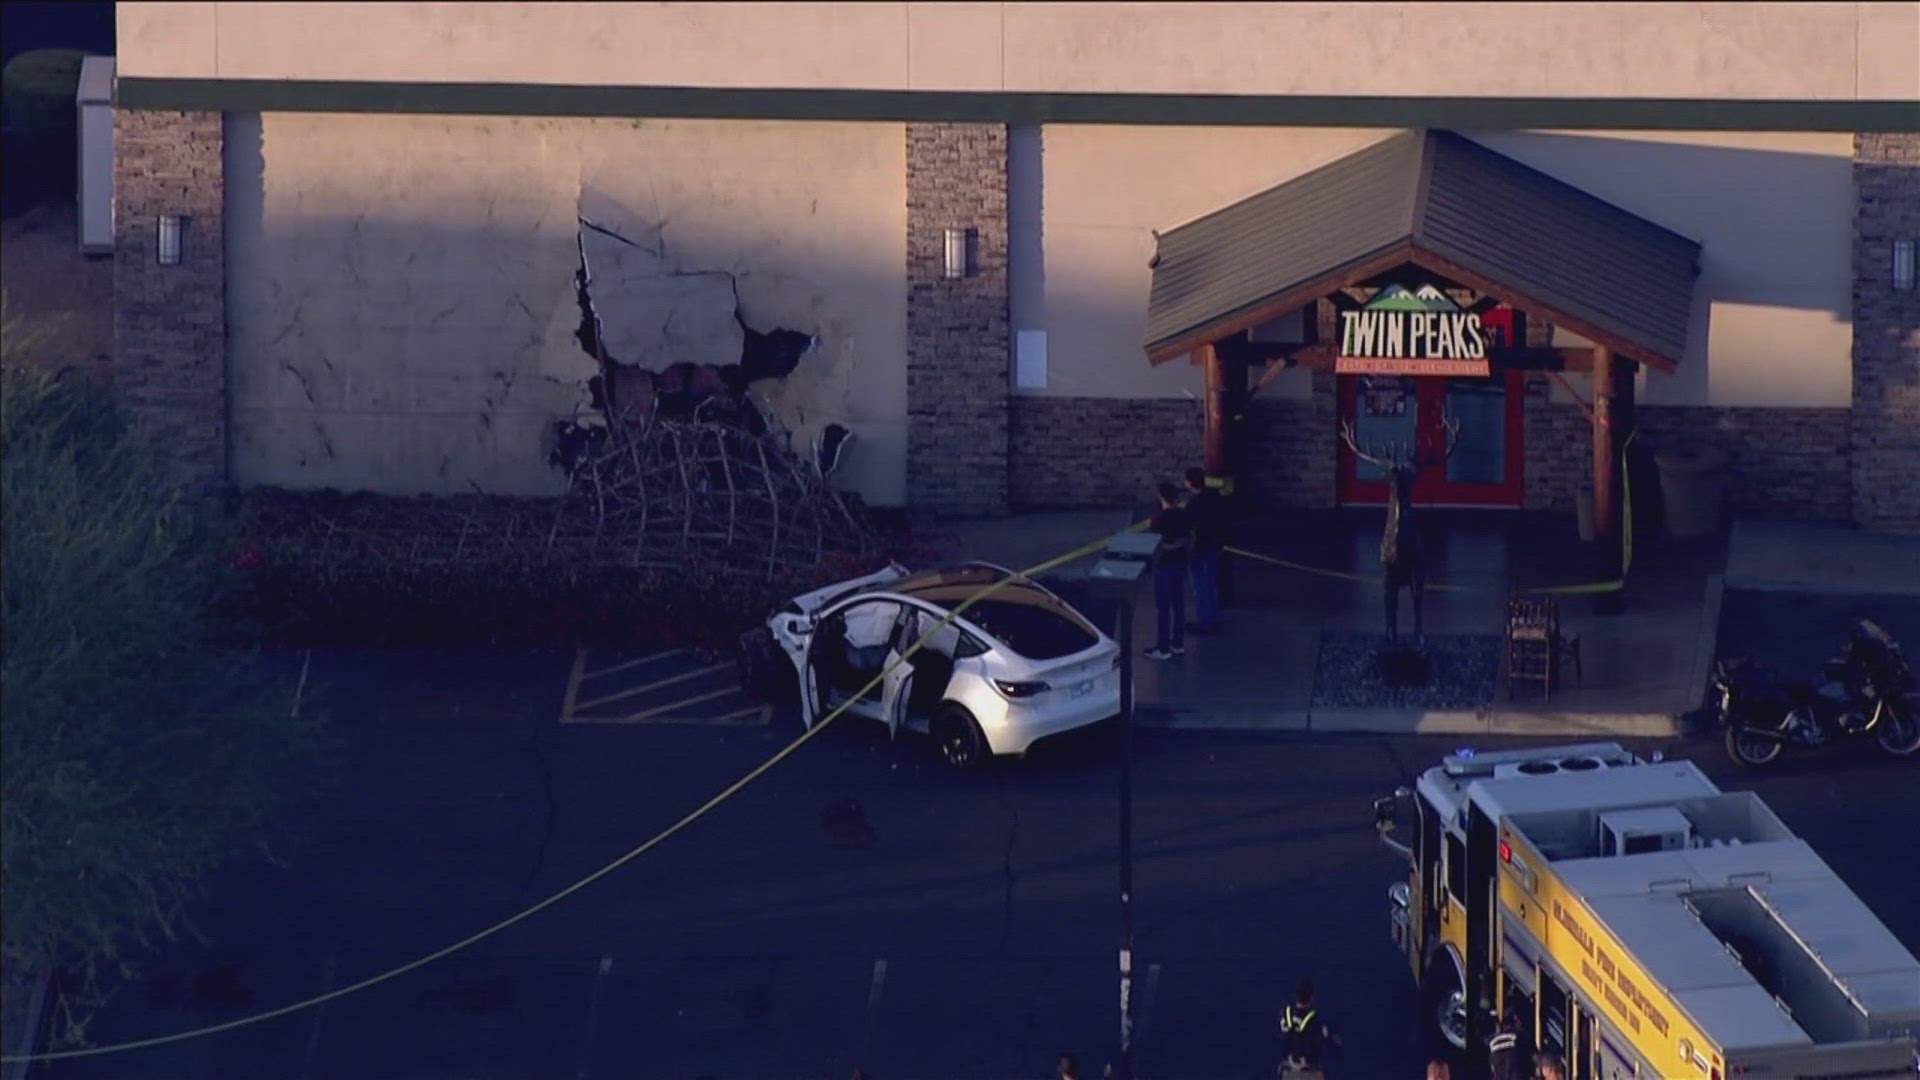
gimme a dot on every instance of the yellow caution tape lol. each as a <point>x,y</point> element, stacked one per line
<point>734,788</point>
<point>1585,588</point>
<point>730,791</point>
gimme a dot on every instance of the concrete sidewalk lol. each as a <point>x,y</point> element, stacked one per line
<point>1794,556</point>
<point>1640,669</point>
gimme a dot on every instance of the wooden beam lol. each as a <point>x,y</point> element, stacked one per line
<point>1547,359</point>
<point>1620,422</point>
<point>1253,352</point>
<point>1252,315</point>
<point>1447,268</point>
<point>1328,285</point>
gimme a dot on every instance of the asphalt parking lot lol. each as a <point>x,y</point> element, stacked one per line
<point>1793,632</point>
<point>860,905</point>
<point>667,686</point>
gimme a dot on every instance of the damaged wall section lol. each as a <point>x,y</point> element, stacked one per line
<point>657,314</point>
<point>405,316</point>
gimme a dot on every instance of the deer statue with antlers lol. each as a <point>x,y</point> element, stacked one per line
<point>1401,554</point>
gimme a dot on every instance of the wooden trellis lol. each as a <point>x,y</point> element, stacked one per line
<point>674,489</point>
<point>657,497</point>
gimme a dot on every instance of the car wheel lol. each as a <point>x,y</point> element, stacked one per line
<point>958,735</point>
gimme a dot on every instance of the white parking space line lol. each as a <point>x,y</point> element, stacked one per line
<point>593,1016</point>
<point>574,677</point>
<point>313,1032</point>
<point>655,685</point>
<point>712,694</point>
<point>662,709</point>
<point>755,715</point>
<point>873,1007</point>
<point>1147,996</point>
<point>628,664</point>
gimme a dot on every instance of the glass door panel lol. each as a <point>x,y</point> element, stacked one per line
<point>1386,416</point>
<point>1480,455</point>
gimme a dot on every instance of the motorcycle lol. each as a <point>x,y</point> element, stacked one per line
<point>1867,690</point>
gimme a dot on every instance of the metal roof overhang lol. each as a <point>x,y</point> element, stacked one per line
<point>1438,201</point>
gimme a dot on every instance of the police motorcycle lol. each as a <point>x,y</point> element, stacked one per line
<point>1867,690</point>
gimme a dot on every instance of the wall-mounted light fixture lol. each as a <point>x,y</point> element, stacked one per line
<point>961,245</point>
<point>173,234</point>
<point>1903,264</point>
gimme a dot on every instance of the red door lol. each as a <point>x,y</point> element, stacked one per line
<point>1400,412</point>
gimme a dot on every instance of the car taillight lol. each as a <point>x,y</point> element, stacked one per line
<point>1506,851</point>
<point>1019,689</point>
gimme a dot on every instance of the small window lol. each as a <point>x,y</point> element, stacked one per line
<point>970,646</point>
<point>1456,868</point>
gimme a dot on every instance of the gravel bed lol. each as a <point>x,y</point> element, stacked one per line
<point>1462,670</point>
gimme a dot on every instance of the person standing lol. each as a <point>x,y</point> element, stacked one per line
<point>1548,1067</point>
<point>1207,509</point>
<point>1304,1036</point>
<point>1170,575</point>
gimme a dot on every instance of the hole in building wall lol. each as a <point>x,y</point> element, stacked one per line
<point>623,394</point>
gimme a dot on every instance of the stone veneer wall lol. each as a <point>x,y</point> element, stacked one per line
<point>958,341</point>
<point>1094,452</point>
<point>1788,463</point>
<point>1292,449</point>
<point>169,322</point>
<point>1079,452</point>
<point>1885,436</point>
<point>1558,449</point>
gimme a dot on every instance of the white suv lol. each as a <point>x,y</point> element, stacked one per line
<point>1012,668</point>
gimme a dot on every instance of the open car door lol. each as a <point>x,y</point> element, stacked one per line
<point>896,693</point>
<point>927,673</point>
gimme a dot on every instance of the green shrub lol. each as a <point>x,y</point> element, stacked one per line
<point>135,753</point>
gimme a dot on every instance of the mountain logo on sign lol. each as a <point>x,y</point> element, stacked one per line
<point>1423,324</point>
<point>1397,298</point>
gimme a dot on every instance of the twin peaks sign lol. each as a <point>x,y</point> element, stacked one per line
<point>1411,333</point>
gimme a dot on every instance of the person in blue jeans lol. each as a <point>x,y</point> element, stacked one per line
<point>1207,515</point>
<point>1170,575</point>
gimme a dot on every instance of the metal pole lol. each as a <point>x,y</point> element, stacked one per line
<point>1125,639</point>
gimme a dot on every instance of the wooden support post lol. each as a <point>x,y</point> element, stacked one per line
<point>1613,418</point>
<point>1228,397</point>
<point>1606,500</point>
<point>1214,367</point>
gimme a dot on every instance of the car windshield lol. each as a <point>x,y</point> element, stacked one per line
<point>1034,632</point>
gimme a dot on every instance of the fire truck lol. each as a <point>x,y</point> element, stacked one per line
<point>1643,922</point>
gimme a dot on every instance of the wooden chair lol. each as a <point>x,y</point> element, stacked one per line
<point>1536,646</point>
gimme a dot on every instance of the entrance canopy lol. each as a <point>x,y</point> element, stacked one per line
<point>1439,201</point>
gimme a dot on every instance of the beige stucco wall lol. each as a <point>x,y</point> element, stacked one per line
<point>1773,211</point>
<point>1098,236</point>
<point>1822,51</point>
<point>401,297</point>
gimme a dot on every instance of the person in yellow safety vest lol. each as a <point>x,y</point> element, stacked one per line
<point>1305,1037</point>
